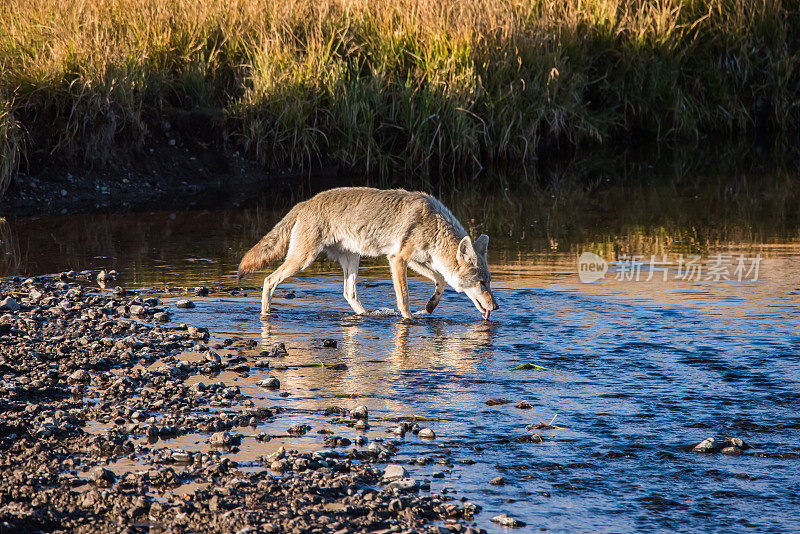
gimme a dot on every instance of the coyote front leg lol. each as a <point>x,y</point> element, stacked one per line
<point>426,271</point>
<point>349,262</point>
<point>399,268</point>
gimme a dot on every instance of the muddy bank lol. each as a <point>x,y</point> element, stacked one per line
<point>172,172</point>
<point>97,383</point>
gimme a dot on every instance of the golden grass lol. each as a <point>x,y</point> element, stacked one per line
<point>415,86</point>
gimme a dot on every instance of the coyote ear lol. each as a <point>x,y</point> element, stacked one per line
<point>482,245</point>
<point>466,252</point>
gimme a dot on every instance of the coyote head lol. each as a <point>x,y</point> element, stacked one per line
<point>473,276</point>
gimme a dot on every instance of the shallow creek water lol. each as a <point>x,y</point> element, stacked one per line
<point>628,372</point>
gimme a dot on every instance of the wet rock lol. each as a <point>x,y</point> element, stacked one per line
<point>274,350</point>
<point>505,520</point>
<point>497,402</point>
<point>197,333</point>
<point>136,309</point>
<point>279,466</point>
<point>161,317</point>
<point>404,485</point>
<point>329,343</point>
<point>201,291</point>
<point>731,451</point>
<point>80,376</point>
<point>706,446</point>
<point>531,438</point>
<point>269,383</point>
<point>735,442</point>
<point>360,412</point>
<point>184,303</point>
<point>102,476</point>
<point>427,433</point>
<point>524,406</point>
<point>361,425</point>
<point>104,276</point>
<point>498,481</point>
<point>181,456</point>
<point>394,472</point>
<point>9,304</point>
<point>221,439</point>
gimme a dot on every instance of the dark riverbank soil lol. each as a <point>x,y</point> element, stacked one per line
<point>166,175</point>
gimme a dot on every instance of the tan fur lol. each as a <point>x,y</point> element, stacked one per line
<point>412,229</point>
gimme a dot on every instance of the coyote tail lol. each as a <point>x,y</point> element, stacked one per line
<point>272,246</point>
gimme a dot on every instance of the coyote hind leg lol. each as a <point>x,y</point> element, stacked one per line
<point>349,262</point>
<point>296,260</point>
<point>429,273</point>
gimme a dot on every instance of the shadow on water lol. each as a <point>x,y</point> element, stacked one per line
<point>631,370</point>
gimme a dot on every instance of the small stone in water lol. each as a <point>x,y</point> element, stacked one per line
<point>498,481</point>
<point>269,383</point>
<point>524,406</point>
<point>497,402</point>
<point>359,412</point>
<point>184,303</point>
<point>707,445</point>
<point>505,520</point>
<point>427,433</point>
<point>395,472</point>
<point>220,439</point>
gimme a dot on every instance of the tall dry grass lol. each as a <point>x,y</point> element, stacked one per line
<point>415,86</point>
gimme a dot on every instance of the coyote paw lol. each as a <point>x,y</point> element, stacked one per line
<point>422,312</point>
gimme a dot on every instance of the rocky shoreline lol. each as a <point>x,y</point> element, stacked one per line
<point>95,385</point>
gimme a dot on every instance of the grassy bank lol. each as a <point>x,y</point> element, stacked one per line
<point>413,86</point>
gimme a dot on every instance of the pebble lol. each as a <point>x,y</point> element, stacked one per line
<point>220,439</point>
<point>102,476</point>
<point>359,412</point>
<point>505,520</point>
<point>184,303</point>
<point>269,383</point>
<point>731,451</point>
<point>427,433</point>
<point>361,425</point>
<point>498,481</point>
<point>80,375</point>
<point>9,304</point>
<point>707,445</point>
<point>394,472</point>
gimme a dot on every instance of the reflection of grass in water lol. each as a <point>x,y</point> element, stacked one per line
<point>614,207</point>
<point>610,205</point>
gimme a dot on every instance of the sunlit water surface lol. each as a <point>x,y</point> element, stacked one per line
<point>631,371</point>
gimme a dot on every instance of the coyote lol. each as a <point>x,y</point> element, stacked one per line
<point>412,229</point>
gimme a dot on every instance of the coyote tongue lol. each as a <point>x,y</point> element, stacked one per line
<point>486,315</point>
